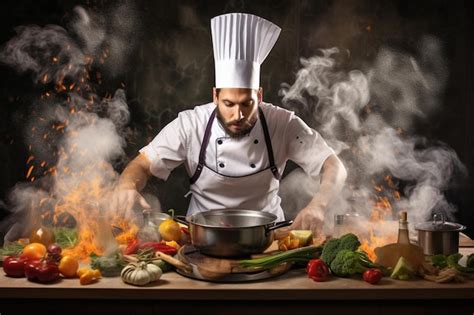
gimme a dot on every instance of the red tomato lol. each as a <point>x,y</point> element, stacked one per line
<point>14,266</point>
<point>317,270</point>
<point>372,276</point>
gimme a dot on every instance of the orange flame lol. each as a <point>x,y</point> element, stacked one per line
<point>381,228</point>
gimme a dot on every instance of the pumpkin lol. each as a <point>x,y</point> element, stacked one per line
<point>140,273</point>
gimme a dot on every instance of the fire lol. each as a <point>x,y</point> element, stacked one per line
<point>85,202</point>
<point>81,183</point>
<point>382,230</point>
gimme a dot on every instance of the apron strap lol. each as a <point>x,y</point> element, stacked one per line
<point>202,152</point>
<point>268,142</point>
<point>207,136</point>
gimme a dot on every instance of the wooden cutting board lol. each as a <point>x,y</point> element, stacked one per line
<point>213,268</point>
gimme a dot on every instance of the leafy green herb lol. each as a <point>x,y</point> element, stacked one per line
<point>109,266</point>
<point>65,237</point>
<point>11,249</point>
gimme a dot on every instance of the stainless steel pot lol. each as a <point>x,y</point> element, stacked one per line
<point>438,236</point>
<point>232,233</point>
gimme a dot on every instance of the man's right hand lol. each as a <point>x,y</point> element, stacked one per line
<point>123,200</point>
<point>132,180</point>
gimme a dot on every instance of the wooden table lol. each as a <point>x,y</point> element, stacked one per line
<point>287,293</point>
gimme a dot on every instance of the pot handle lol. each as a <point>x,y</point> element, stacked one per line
<point>278,225</point>
<point>181,219</point>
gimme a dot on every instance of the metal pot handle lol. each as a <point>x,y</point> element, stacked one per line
<point>438,219</point>
<point>181,219</point>
<point>278,225</point>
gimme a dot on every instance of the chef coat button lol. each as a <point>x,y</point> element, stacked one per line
<point>255,141</point>
<point>219,141</point>
<point>252,165</point>
<point>221,165</point>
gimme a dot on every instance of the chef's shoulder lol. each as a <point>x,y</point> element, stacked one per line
<point>285,124</point>
<point>193,119</point>
<point>278,118</point>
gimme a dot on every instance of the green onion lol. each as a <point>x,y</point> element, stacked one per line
<point>298,255</point>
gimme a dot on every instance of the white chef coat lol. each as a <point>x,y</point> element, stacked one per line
<point>180,142</point>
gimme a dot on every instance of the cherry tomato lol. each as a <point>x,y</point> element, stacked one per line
<point>317,270</point>
<point>372,276</point>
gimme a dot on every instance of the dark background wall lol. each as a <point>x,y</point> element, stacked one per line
<point>171,68</point>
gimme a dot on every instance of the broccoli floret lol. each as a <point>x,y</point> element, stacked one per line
<point>330,250</point>
<point>453,261</point>
<point>349,241</point>
<point>470,261</point>
<point>347,263</point>
<point>333,246</point>
<point>439,261</point>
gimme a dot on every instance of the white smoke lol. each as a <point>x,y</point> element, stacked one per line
<point>47,52</point>
<point>77,133</point>
<point>368,118</point>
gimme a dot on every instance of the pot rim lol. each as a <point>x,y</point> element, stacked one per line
<point>272,218</point>
<point>456,227</point>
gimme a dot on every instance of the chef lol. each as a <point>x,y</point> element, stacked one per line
<point>235,149</point>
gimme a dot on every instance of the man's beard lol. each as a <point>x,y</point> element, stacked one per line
<point>245,125</point>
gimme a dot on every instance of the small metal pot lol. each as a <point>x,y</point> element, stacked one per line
<point>439,237</point>
<point>232,233</point>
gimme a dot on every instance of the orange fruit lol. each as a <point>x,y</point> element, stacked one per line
<point>170,230</point>
<point>34,251</point>
<point>68,266</point>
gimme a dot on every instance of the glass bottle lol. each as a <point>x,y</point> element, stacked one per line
<point>403,236</point>
<point>339,225</point>
<point>42,234</point>
<point>148,231</point>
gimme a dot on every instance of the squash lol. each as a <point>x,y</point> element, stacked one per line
<point>140,273</point>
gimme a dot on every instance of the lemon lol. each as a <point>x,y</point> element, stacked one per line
<point>170,230</point>
<point>305,237</point>
<point>68,266</point>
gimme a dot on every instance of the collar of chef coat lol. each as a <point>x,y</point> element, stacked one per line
<point>236,156</point>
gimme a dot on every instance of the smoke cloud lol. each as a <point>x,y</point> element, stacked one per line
<point>75,134</point>
<point>368,117</point>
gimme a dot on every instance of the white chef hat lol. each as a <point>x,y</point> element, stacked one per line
<point>241,43</point>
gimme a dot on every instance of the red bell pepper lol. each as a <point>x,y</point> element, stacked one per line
<point>14,266</point>
<point>372,276</point>
<point>41,271</point>
<point>132,247</point>
<point>159,247</point>
<point>317,270</point>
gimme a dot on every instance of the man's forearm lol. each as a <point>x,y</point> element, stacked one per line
<point>135,175</point>
<point>333,177</point>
